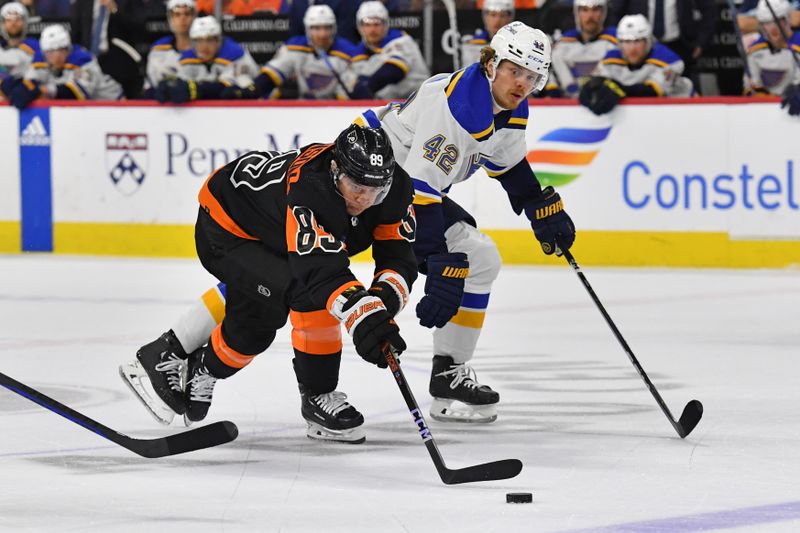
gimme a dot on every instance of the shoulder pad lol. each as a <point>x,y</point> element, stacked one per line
<point>230,50</point>
<point>470,102</point>
<point>663,54</point>
<point>343,46</point>
<point>79,56</point>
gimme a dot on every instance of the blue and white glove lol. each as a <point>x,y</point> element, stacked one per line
<point>791,99</point>
<point>444,288</point>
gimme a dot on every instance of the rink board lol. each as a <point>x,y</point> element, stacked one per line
<point>676,185</point>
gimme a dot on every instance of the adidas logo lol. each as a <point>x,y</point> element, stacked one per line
<point>34,134</point>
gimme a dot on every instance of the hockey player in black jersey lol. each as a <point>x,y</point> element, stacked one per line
<point>278,229</point>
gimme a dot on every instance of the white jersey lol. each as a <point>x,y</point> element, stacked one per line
<point>233,65</point>
<point>162,62</point>
<point>661,70</point>
<point>15,60</point>
<point>471,46</point>
<point>399,49</point>
<point>447,130</point>
<point>574,60</point>
<point>772,70</point>
<point>81,76</point>
<point>315,72</point>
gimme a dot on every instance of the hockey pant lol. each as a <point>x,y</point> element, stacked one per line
<point>260,294</point>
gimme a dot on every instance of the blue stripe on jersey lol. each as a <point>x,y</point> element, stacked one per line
<point>421,186</point>
<point>475,301</point>
<point>222,289</point>
<point>372,119</point>
<point>577,135</point>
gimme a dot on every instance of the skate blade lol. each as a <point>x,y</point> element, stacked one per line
<point>348,436</point>
<point>137,381</point>
<point>446,410</point>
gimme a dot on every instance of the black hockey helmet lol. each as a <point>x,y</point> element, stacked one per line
<point>365,155</point>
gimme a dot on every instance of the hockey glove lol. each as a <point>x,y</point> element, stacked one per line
<point>444,288</point>
<point>234,92</point>
<point>24,93</point>
<point>182,91</point>
<point>791,99</point>
<point>162,91</point>
<point>600,95</point>
<point>365,318</point>
<point>393,291</point>
<point>549,221</point>
<point>8,84</point>
<point>361,90</point>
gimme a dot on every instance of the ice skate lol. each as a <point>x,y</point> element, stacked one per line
<point>199,389</point>
<point>457,395</point>
<point>156,377</point>
<point>330,417</point>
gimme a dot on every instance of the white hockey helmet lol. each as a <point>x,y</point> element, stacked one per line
<point>633,28</point>
<point>524,46</point>
<point>589,3</point>
<point>319,15</point>
<point>491,6</point>
<point>13,9</point>
<point>205,28</point>
<point>372,10</point>
<point>55,37</point>
<point>174,4</point>
<point>780,7</point>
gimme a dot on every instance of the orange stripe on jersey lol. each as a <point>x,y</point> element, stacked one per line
<point>335,294</point>
<point>316,332</point>
<point>387,232</point>
<point>225,353</point>
<point>212,206</point>
<point>293,174</point>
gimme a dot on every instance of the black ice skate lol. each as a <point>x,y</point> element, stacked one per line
<point>157,375</point>
<point>457,395</point>
<point>199,388</point>
<point>330,417</point>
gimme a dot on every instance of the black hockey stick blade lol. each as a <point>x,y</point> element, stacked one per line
<point>504,469</point>
<point>691,415</point>
<point>188,441</point>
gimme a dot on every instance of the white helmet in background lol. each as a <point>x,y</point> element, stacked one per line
<point>319,15</point>
<point>499,5</point>
<point>14,9</point>
<point>372,10</point>
<point>780,7</point>
<point>523,46</point>
<point>633,28</point>
<point>55,37</point>
<point>589,3</point>
<point>174,4</point>
<point>205,28</point>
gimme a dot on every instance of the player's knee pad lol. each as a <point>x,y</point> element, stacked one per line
<point>316,332</point>
<point>245,340</point>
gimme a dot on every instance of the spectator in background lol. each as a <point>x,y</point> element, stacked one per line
<point>640,67</point>
<point>577,53</point>
<point>46,8</point>
<point>63,71</point>
<point>319,60</point>
<point>243,8</point>
<point>162,61</point>
<point>16,49</point>
<point>685,26</point>
<point>213,63</point>
<point>773,69</point>
<point>109,29</point>
<point>748,23</point>
<point>344,10</point>
<point>388,63</point>
<point>496,14</point>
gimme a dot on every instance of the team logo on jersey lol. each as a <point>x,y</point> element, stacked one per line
<point>126,160</point>
<point>559,156</point>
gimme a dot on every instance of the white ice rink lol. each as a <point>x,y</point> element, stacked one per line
<point>598,454</point>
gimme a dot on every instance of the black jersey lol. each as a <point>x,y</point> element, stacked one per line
<point>288,201</point>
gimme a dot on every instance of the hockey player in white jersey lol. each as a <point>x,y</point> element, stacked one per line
<point>16,48</point>
<point>63,71</point>
<point>164,55</point>
<point>771,60</point>
<point>640,67</point>
<point>388,62</point>
<point>450,127</point>
<point>578,52</point>
<point>495,14</point>
<point>213,63</point>
<point>319,60</point>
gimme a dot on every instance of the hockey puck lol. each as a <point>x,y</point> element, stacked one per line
<point>519,497</point>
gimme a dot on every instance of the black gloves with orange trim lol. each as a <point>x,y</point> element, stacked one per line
<point>365,318</point>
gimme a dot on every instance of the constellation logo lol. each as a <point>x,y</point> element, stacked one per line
<point>126,160</point>
<point>559,156</point>
<point>35,134</point>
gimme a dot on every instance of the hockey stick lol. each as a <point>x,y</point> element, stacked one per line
<point>188,441</point>
<point>786,37</point>
<point>504,469</point>
<point>694,409</point>
<point>739,40</point>
<point>323,55</point>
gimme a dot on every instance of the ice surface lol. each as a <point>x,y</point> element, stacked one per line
<point>598,453</point>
